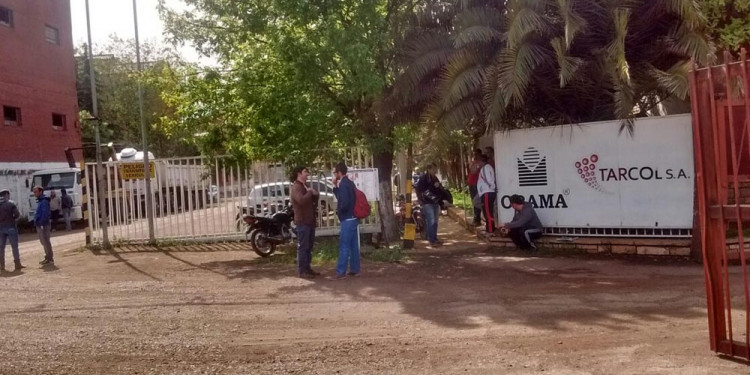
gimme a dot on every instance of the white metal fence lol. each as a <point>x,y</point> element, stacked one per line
<point>203,199</point>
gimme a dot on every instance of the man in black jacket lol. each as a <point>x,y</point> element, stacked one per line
<point>430,194</point>
<point>8,230</point>
<point>525,227</point>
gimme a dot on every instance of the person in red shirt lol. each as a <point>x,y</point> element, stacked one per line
<point>471,179</point>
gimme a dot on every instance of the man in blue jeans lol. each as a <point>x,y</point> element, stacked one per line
<point>303,203</point>
<point>349,239</point>
<point>8,230</point>
<point>43,225</point>
<point>430,193</point>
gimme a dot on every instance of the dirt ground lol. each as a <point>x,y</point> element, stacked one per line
<point>462,309</point>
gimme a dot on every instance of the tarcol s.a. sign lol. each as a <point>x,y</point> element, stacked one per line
<point>593,176</point>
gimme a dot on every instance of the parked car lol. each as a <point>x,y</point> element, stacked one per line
<point>271,197</point>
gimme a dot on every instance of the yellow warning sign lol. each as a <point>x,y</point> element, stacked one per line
<point>134,171</point>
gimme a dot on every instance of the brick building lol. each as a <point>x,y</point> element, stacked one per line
<point>37,89</point>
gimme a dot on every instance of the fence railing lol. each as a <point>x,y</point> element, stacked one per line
<point>204,199</point>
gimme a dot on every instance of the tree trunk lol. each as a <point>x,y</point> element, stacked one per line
<point>384,163</point>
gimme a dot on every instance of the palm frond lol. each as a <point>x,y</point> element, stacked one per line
<point>688,42</point>
<point>674,80</point>
<point>688,10</point>
<point>573,22</point>
<point>463,77</point>
<point>515,69</point>
<point>616,48</point>
<point>477,25</point>
<point>425,53</point>
<point>525,17</point>
<point>568,64</point>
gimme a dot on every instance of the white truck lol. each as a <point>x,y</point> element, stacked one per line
<point>57,179</point>
<point>174,186</point>
<point>178,183</point>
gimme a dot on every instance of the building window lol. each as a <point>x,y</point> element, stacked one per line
<point>6,17</point>
<point>58,121</point>
<point>51,34</point>
<point>11,116</point>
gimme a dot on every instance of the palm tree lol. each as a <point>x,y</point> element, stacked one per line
<point>516,63</point>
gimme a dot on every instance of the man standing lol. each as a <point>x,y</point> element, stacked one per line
<point>429,193</point>
<point>303,203</point>
<point>472,178</point>
<point>525,226</point>
<point>349,239</point>
<point>55,204</point>
<point>488,192</point>
<point>67,206</point>
<point>8,230</point>
<point>42,223</point>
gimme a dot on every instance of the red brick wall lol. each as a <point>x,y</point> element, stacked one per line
<point>39,78</point>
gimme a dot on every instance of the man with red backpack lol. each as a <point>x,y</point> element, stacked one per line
<point>345,192</point>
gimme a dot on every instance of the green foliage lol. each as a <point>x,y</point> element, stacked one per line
<point>117,81</point>
<point>300,75</point>
<point>462,200</point>
<point>326,252</point>
<point>728,23</point>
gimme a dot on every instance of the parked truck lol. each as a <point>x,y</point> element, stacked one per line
<point>57,179</point>
<point>175,186</point>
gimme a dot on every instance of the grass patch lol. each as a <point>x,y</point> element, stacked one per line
<point>326,252</point>
<point>462,199</point>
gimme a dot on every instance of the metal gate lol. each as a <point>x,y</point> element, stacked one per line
<point>203,199</point>
<point>721,131</point>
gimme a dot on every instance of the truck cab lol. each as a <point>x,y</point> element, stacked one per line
<point>57,179</point>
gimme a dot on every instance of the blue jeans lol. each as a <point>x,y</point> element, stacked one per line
<point>348,247</point>
<point>431,214</point>
<point>9,233</point>
<point>305,241</point>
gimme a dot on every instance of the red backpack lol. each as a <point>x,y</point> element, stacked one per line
<point>362,207</point>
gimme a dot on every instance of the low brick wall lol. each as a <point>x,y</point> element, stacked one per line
<point>680,247</point>
<point>610,245</point>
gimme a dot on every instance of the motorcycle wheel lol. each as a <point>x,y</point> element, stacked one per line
<point>261,245</point>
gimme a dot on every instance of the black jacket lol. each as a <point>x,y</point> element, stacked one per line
<point>429,189</point>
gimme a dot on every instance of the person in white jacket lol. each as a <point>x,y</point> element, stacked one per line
<point>487,190</point>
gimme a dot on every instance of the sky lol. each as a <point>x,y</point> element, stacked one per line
<point>110,17</point>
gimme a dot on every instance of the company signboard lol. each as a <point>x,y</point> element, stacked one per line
<point>593,176</point>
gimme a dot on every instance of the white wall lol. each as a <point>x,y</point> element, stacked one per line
<point>643,181</point>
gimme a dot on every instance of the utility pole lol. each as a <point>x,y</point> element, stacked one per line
<point>144,134</point>
<point>102,212</point>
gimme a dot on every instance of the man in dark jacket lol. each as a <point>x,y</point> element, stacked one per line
<point>42,224</point>
<point>8,230</point>
<point>525,227</point>
<point>67,208</point>
<point>349,238</point>
<point>430,193</point>
<point>303,203</point>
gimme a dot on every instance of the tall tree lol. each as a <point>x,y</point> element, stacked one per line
<point>301,75</point>
<point>117,96</point>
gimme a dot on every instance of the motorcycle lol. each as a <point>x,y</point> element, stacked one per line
<point>416,215</point>
<point>265,233</point>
